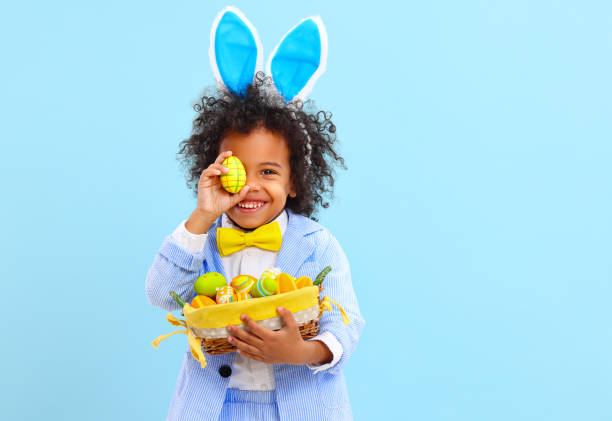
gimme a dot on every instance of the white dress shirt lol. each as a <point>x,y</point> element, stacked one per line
<point>248,374</point>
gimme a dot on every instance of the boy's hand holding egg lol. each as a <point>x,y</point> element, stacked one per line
<point>213,198</point>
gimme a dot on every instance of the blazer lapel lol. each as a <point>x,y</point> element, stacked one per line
<point>296,247</point>
<point>211,254</point>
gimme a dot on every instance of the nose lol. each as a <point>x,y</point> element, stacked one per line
<point>252,181</point>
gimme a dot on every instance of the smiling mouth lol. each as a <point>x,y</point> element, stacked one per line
<point>250,206</point>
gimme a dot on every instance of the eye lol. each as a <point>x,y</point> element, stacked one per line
<point>268,172</point>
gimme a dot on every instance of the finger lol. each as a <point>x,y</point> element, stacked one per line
<point>288,318</point>
<point>239,197</point>
<point>222,157</point>
<point>256,329</point>
<point>215,169</point>
<point>252,356</point>
<point>243,346</point>
<point>220,167</point>
<point>211,172</point>
<point>245,336</point>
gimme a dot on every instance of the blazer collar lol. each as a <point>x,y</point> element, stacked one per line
<point>297,247</point>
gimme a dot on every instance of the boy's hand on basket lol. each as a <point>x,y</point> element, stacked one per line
<point>284,346</point>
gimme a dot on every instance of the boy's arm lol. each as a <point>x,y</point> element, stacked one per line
<point>338,287</point>
<point>333,350</point>
<point>176,266</point>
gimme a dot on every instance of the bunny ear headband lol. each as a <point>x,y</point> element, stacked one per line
<point>297,62</point>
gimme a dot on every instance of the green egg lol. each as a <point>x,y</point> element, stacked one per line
<point>264,287</point>
<point>208,284</point>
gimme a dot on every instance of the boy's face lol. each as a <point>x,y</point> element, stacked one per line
<point>265,156</point>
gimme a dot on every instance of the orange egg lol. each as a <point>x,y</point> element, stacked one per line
<point>226,294</point>
<point>243,283</point>
<point>200,301</point>
<point>303,281</point>
<point>286,283</point>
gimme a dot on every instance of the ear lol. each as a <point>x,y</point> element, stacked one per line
<point>235,50</point>
<point>299,59</point>
<point>292,192</point>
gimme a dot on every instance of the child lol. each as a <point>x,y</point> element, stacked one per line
<point>285,151</point>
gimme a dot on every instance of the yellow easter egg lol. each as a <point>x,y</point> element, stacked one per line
<point>270,273</point>
<point>235,179</point>
<point>226,294</point>
<point>286,283</point>
<point>303,281</point>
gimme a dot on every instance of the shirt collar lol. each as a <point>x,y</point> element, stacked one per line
<point>281,219</point>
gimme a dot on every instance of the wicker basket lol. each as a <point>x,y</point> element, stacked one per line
<point>206,327</point>
<point>218,346</point>
<point>208,324</point>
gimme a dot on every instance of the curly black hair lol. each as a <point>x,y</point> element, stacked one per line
<point>302,127</point>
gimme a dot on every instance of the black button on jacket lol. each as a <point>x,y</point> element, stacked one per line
<point>225,371</point>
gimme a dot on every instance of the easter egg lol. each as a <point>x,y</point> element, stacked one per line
<point>243,283</point>
<point>303,281</point>
<point>266,284</point>
<point>286,283</point>
<point>208,284</point>
<point>264,287</point>
<point>235,179</point>
<point>270,273</point>
<point>243,296</point>
<point>200,301</point>
<point>226,294</point>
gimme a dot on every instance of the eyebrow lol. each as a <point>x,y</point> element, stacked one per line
<point>272,164</point>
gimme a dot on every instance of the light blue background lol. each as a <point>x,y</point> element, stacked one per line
<point>475,211</point>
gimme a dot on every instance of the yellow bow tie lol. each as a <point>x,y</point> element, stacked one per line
<point>267,237</point>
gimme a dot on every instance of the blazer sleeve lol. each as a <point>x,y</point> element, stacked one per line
<point>338,287</point>
<point>174,269</point>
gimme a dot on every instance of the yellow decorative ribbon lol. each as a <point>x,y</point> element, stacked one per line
<point>194,344</point>
<point>326,304</point>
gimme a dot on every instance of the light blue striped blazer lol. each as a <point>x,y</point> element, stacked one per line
<point>307,248</point>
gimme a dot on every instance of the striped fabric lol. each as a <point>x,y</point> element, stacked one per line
<point>248,405</point>
<point>300,394</point>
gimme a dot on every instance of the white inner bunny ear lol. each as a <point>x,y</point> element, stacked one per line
<point>299,59</point>
<point>235,50</point>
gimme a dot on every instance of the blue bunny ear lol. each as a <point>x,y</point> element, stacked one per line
<point>235,50</point>
<point>299,59</point>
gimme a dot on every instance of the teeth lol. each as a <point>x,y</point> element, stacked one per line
<point>250,205</point>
